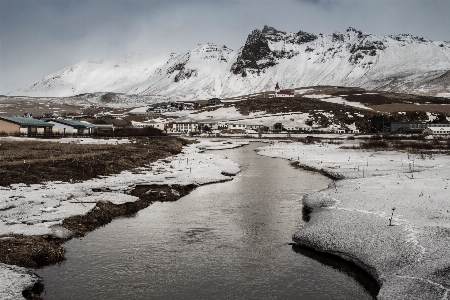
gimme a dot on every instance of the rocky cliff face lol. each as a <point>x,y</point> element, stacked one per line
<point>255,55</point>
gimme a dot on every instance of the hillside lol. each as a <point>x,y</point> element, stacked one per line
<point>401,63</point>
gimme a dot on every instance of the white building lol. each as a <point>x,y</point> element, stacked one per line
<point>437,130</point>
<point>152,124</point>
<point>182,127</point>
<point>70,127</point>
<point>234,126</point>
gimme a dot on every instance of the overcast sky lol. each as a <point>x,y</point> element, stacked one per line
<point>39,37</point>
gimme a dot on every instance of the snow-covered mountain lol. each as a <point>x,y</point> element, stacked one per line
<point>401,63</point>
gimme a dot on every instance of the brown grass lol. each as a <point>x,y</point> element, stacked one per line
<point>30,251</point>
<point>391,108</point>
<point>35,162</point>
<point>415,144</point>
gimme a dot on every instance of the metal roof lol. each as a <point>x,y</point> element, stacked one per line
<point>25,121</point>
<point>71,123</point>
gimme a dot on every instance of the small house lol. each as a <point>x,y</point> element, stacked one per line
<point>70,127</point>
<point>24,126</point>
<point>152,124</point>
<point>437,130</point>
<point>182,127</point>
<point>49,115</point>
<point>345,130</point>
<point>214,101</point>
<point>234,126</point>
<point>207,125</point>
<point>105,128</point>
<point>255,126</point>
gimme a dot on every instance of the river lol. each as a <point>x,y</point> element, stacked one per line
<point>224,241</point>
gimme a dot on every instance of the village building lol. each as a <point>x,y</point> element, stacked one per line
<point>255,126</point>
<point>71,127</point>
<point>290,128</point>
<point>382,125</point>
<point>78,116</point>
<point>105,128</point>
<point>189,106</point>
<point>103,115</point>
<point>24,126</point>
<point>152,124</point>
<point>207,125</point>
<point>182,127</point>
<point>345,130</point>
<point>234,126</point>
<point>214,101</point>
<point>47,115</point>
<point>160,110</point>
<point>437,130</point>
<point>221,125</point>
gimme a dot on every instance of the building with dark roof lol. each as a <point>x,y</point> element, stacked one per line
<point>71,127</point>
<point>214,101</point>
<point>24,126</point>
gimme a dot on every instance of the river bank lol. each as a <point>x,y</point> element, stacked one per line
<point>410,259</point>
<point>43,215</point>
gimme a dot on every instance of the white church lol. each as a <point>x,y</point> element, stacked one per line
<point>282,93</point>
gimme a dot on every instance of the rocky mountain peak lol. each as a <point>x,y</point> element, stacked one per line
<point>268,31</point>
<point>255,54</point>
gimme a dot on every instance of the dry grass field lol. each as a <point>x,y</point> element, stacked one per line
<point>35,161</point>
<point>396,107</point>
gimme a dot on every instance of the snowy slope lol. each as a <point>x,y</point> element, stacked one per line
<point>401,63</point>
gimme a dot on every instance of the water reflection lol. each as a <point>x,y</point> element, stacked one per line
<point>224,241</point>
<point>343,266</point>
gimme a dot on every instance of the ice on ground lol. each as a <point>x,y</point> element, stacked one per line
<point>35,209</point>
<point>221,113</point>
<point>337,100</point>
<point>340,100</point>
<point>39,209</point>
<point>14,281</point>
<point>351,217</point>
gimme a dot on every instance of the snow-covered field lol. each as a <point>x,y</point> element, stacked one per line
<point>337,100</point>
<point>38,209</point>
<point>411,259</point>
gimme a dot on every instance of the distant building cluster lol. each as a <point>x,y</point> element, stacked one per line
<point>73,125</point>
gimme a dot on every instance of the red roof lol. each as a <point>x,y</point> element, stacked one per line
<point>285,92</point>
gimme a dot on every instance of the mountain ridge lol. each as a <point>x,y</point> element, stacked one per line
<point>396,63</point>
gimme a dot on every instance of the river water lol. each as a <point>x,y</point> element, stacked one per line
<point>224,241</point>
